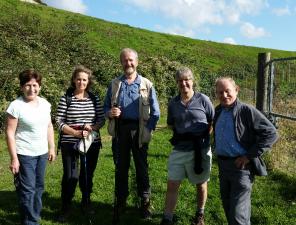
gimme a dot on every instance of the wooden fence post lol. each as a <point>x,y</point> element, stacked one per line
<point>262,81</point>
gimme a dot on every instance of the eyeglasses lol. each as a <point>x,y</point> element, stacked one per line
<point>184,80</point>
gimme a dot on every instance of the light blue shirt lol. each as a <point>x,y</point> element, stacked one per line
<point>128,100</point>
<point>225,139</point>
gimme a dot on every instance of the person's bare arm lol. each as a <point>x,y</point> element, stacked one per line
<point>50,138</point>
<point>11,124</point>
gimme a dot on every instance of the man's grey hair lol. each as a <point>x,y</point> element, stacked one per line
<point>230,79</point>
<point>125,50</point>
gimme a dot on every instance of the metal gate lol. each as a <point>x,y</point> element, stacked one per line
<point>281,92</point>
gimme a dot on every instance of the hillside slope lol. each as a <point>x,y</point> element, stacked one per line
<point>54,41</point>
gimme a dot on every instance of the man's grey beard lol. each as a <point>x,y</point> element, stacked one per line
<point>130,71</point>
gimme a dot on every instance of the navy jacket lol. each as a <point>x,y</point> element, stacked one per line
<point>253,131</point>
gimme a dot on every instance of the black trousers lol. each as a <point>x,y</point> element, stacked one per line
<point>127,142</point>
<point>73,173</point>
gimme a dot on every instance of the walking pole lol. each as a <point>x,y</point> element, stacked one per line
<point>85,172</point>
<point>116,153</point>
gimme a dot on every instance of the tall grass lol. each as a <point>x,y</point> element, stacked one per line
<point>283,155</point>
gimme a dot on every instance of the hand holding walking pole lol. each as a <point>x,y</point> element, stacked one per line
<point>115,116</point>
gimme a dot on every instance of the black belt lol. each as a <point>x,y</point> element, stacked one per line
<point>226,157</point>
<point>128,121</point>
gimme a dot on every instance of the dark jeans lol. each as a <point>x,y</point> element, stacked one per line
<point>235,189</point>
<point>30,187</point>
<point>72,173</point>
<point>128,142</point>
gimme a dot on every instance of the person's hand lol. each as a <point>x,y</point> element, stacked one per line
<point>51,155</point>
<point>241,162</point>
<point>84,133</point>
<point>88,128</point>
<point>80,133</point>
<point>14,166</point>
<point>115,112</point>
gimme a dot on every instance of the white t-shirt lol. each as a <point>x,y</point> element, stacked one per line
<point>31,132</point>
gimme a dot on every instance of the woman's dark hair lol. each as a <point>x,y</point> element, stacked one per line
<point>79,69</point>
<point>28,75</point>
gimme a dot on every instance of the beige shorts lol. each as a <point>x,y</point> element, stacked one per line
<point>181,165</point>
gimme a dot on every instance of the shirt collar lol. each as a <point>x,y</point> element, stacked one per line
<point>136,81</point>
<point>229,108</point>
<point>195,95</point>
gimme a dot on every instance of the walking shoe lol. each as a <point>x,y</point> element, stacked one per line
<point>166,222</point>
<point>146,209</point>
<point>86,207</point>
<point>198,220</point>
<point>118,209</point>
<point>64,214</point>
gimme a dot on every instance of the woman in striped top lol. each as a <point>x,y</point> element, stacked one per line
<point>79,113</point>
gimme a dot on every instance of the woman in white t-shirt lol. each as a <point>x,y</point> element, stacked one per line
<point>30,141</point>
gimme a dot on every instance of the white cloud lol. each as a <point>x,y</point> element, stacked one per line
<point>229,40</point>
<point>250,31</point>
<point>77,6</point>
<point>176,30</point>
<point>203,14</point>
<point>192,13</point>
<point>232,15</point>
<point>198,13</point>
<point>250,7</point>
<point>281,11</point>
<point>189,2</point>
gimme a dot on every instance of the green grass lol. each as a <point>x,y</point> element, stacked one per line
<point>54,41</point>
<point>273,198</point>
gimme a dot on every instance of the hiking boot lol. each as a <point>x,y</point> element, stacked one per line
<point>146,209</point>
<point>198,220</point>
<point>119,208</point>
<point>86,207</point>
<point>166,222</point>
<point>64,214</point>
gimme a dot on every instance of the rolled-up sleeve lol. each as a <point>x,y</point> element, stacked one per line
<point>107,101</point>
<point>154,110</point>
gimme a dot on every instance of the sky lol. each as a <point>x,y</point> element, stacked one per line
<point>259,23</point>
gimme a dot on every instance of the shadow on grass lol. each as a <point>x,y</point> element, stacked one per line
<point>288,184</point>
<point>152,155</point>
<point>9,207</point>
<point>103,213</point>
<point>51,206</point>
<point>50,212</point>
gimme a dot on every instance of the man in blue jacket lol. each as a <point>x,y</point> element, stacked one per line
<point>242,135</point>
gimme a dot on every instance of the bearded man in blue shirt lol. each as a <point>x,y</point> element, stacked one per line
<point>131,103</point>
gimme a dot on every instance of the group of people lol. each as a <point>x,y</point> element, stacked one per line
<point>241,135</point>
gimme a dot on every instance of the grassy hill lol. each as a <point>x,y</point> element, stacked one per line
<point>54,41</point>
